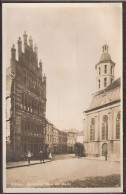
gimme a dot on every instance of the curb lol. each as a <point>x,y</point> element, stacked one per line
<point>9,167</point>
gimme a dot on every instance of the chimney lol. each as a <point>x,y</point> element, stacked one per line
<point>19,48</point>
<point>25,41</point>
<point>13,52</point>
<point>31,42</point>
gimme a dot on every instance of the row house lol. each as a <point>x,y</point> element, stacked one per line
<point>49,136</point>
<point>62,142</point>
<point>71,140</point>
<point>55,140</point>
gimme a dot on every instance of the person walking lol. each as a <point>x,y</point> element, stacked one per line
<point>105,154</point>
<point>41,156</point>
<point>50,156</point>
<point>29,157</point>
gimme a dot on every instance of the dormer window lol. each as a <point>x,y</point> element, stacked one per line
<point>105,70</point>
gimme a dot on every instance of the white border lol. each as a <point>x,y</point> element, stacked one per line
<point>50,190</point>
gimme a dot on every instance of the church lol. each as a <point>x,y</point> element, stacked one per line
<point>102,126</point>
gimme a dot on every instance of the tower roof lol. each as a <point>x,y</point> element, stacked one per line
<point>105,57</point>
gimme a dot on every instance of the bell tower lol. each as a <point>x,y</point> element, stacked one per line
<point>104,70</point>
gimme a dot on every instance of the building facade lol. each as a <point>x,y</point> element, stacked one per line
<point>62,142</point>
<point>25,101</point>
<point>49,135</point>
<point>55,140</point>
<point>103,117</point>
<point>71,140</point>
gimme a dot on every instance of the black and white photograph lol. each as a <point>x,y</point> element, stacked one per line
<point>62,97</point>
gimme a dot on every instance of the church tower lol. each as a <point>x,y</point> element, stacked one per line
<point>104,70</point>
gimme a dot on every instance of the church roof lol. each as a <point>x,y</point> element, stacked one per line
<point>107,96</point>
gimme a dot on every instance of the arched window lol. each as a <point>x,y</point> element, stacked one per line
<point>105,128</point>
<point>99,70</point>
<point>105,82</point>
<point>105,70</point>
<point>111,69</point>
<point>118,126</point>
<point>92,129</point>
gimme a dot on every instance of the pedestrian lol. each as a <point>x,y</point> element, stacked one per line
<point>105,154</point>
<point>41,156</point>
<point>29,157</point>
<point>50,156</point>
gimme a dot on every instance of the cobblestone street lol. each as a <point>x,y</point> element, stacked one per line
<point>60,171</point>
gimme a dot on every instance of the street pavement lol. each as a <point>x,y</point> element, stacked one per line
<point>59,171</point>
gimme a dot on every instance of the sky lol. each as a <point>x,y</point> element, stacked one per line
<point>69,39</point>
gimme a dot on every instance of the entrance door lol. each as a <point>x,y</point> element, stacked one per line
<point>104,148</point>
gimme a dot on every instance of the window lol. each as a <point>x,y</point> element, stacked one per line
<point>118,126</point>
<point>26,103</point>
<point>99,83</point>
<point>22,125</point>
<point>105,128</point>
<point>111,69</point>
<point>92,129</point>
<point>23,100</point>
<point>99,70</point>
<point>24,77</point>
<point>105,68</point>
<point>111,80</point>
<point>105,82</point>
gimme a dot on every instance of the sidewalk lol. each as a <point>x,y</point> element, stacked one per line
<point>23,163</point>
<point>98,158</point>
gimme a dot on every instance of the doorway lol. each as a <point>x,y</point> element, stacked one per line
<point>104,148</point>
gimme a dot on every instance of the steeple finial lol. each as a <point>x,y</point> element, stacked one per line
<point>25,40</point>
<point>105,48</point>
<point>13,52</point>
<point>31,42</point>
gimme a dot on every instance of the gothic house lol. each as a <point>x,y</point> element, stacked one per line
<point>25,102</point>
